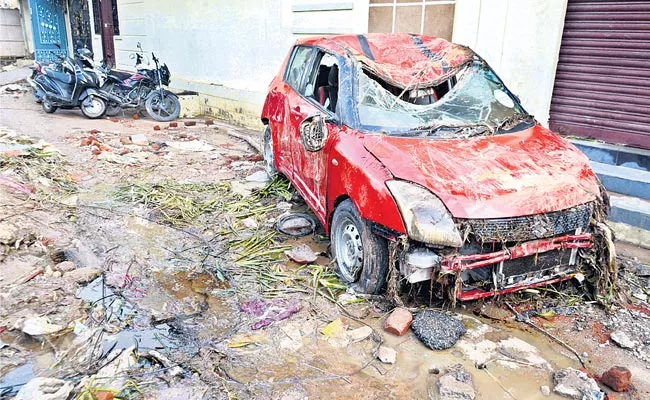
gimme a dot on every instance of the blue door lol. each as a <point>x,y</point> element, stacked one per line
<point>48,27</point>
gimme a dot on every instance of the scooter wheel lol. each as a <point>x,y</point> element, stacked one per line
<point>48,107</point>
<point>93,107</point>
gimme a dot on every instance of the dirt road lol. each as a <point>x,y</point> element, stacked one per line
<point>118,235</point>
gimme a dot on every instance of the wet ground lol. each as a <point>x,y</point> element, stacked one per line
<point>181,241</point>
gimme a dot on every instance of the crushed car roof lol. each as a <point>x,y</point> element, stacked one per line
<point>402,59</point>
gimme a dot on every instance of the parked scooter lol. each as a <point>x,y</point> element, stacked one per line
<point>69,87</point>
<point>144,88</point>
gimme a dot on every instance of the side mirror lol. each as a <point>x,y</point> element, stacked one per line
<point>313,132</point>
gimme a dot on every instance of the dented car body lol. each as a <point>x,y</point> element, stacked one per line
<point>415,157</point>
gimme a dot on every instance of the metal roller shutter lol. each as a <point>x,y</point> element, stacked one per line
<point>602,84</point>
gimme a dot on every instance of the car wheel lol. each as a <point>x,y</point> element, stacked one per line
<point>361,256</point>
<point>269,159</point>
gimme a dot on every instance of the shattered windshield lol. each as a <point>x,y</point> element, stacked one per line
<point>472,102</point>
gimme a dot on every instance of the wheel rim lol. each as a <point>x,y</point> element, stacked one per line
<point>163,108</point>
<point>93,107</point>
<point>349,250</point>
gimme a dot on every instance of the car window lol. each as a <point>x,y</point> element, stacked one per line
<point>323,82</point>
<point>297,66</point>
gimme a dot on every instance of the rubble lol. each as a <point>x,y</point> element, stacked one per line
<point>436,330</point>
<point>359,334</point>
<point>45,389</point>
<point>622,339</point>
<point>302,254</point>
<point>8,233</point>
<point>83,275</point>
<point>546,391</point>
<point>40,326</point>
<point>387,355</point>
<point>617,378</point>
<point>576,385</point>
<point>399,321</point>
<point>456,384</point>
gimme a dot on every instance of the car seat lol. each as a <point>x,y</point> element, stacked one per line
<point>328,95</point>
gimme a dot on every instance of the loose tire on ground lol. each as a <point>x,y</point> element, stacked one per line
<point>361,256</point>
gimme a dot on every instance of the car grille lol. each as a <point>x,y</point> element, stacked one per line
<point>531,227</point>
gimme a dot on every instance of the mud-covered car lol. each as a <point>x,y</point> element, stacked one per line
<point>418,161</point>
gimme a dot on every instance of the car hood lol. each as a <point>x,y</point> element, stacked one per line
<point>524,173</point>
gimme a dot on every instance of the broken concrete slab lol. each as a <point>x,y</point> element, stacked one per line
<point>40,326</point>
<point>576,385</point>
<point>456,384</point>
<point>45,389</point>
<point>622,340</point>
<point>83,275</point>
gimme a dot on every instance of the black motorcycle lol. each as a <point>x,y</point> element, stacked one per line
<point>67,86</point>
<point>145,87</point>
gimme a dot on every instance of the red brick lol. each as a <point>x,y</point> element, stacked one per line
<point>617,378</point>
<point>209,122</point>
<point>399,321</point>
<point>156,127</point>
<point>94,132</point>
<point>173,124</point>
<point>103,395</point>
<point>136,116</point>
<point>190,123</point>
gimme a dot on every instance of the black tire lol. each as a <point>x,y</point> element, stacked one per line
<point>38,98</point>
<point>112,109</point>
<point>269,158</point>
<point>369,274</point>
<point>93,107</point>
<point>48,107</point>
<point>163,114</point>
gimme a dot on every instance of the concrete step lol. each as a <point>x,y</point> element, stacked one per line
<point>623,180</point>
<point>623,156</point>
<point>629,210</point>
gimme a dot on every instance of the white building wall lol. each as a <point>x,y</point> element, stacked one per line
<point>520,39</point>
<point>227,50</point>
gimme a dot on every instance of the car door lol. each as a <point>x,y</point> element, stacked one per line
<point>311,131</point>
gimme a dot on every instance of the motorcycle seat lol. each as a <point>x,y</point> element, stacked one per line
<point>59,76</point>
<point>120,75</point>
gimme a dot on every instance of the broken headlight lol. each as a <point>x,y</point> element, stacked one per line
<point>425,216</point>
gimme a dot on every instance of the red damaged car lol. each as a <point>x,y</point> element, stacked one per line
<point>415,156</point>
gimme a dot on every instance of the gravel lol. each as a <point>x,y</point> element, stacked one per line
<point>436,330</point>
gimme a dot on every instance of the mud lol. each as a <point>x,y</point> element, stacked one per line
<point>178,289</point>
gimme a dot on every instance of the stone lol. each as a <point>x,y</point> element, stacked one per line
<point>546,391</point>
<point>57,274</point>
<point>45,389</point>
<point>209,122</point>
<point>83,275</point>
<point>456,384</point>
<point>387,355</point>
<point>399,321</point>
<point>173,124</point>
<point>617,378</point>
<point>249,223</point>
<point>302,254</point>
<point>140,140</point>
<point>190,123</point>
<point>437,330</point>
<point>359,334</point>
<point>156,127</point>
<point>126,140</point>
<point>40,326</point>
<point>259,176</point>
<point>65,266</point>
<point>8,233</point>
<point>574,384</point>
<point>622,339</point>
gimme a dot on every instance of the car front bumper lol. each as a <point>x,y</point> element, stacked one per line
<point>525,265</point>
